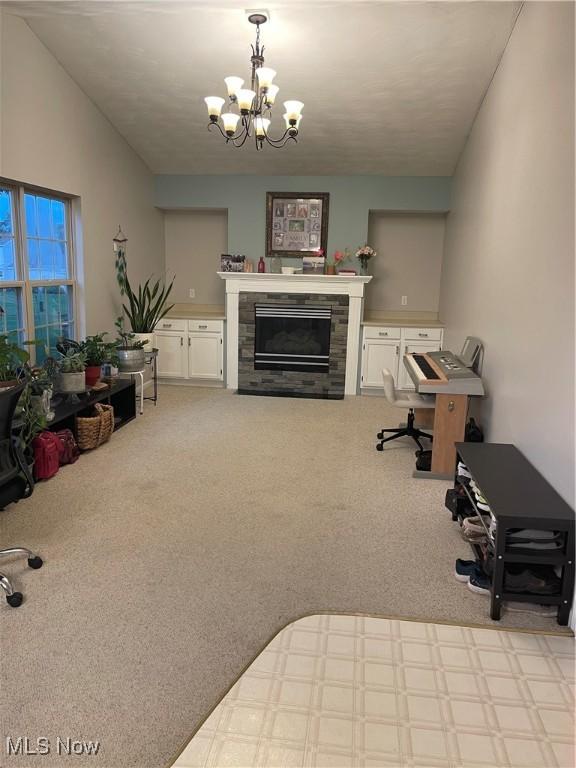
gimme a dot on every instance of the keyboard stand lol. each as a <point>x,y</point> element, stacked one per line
<point>450,415</point>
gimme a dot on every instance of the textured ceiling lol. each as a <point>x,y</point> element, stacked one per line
<point>389,88</point>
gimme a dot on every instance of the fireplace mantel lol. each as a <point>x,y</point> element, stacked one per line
<point>349,285</point>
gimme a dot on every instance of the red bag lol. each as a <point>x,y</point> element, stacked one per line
<point>69,447</point>
<point>47,449</point>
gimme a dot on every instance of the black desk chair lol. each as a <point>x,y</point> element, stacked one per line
<point>15,482</point>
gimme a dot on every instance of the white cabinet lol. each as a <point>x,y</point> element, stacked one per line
<point>375,356</point>
<point>205,356</point>
<point>172,354</point>
<point>385,347</point>
<point>191,349</point>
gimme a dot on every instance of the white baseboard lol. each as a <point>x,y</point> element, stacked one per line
<point>192,383</point>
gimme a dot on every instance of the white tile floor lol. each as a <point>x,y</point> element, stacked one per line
<point>349,691</point>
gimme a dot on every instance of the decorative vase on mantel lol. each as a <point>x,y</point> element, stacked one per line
<point>363,266</point>
<point>330,269</point>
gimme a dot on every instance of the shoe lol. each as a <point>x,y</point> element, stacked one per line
<point>475,524</point>
<point>541,582</point>
<point>464,569</point>
<point>479,583</point>
<point>462,471</point>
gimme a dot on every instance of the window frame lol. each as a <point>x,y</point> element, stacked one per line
<point>24,283</point>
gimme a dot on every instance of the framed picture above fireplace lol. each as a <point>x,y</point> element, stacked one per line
<point>296,223</point>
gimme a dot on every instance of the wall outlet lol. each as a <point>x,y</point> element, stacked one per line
<point>404,301</point>
<point>192,293</point>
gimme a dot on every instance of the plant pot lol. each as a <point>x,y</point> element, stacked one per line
<point>147,338</point>
<point>71,382</point>
<point>92,373</point>
<point>330,269</point>
<point>131,360</point>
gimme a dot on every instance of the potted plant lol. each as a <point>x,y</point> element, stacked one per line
<point>32,420</point>
<point>41,384</point>
<point>12,361</point>
<point>146,307</point>
<point>97,353</point>
<point>130,350</point>
<point>71,367</point>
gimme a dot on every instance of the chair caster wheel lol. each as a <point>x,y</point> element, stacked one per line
<point>35,562</point>
<point>15,599</point>
<point>380,435</point>
<point>379,447</point>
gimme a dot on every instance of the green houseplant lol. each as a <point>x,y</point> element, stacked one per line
<point>71,367</point>
<point>130,349</point>
<point>13,359</point>
<point>97,352</point>
<point>146,306</point>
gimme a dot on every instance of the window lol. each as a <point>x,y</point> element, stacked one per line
<point>37,285</point>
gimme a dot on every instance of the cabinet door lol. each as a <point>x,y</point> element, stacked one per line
<point>405,382</point>
<point>205,356</point>
<point>172,358</point>
<point>375,356</point>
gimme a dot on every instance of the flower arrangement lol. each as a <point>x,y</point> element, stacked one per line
<point>364,254</point>
<point>338,259</point>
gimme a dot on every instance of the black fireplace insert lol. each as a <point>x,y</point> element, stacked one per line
<point>292,338</point>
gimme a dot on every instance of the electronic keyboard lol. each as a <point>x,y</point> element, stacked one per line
<point>442,373</point>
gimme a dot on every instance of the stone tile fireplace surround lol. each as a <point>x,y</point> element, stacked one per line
<point>342,293</point>
<point>326,384</point>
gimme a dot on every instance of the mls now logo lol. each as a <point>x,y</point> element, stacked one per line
<point>43,746</point>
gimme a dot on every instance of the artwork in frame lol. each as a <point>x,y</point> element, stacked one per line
<point>296,223</point>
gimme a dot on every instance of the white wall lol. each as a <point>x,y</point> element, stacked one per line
<point>53,136</point>
<point>194,241</point>
<point>508,274</point>
<point>409,262</point>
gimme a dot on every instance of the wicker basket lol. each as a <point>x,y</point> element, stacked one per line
<point>92,431</point>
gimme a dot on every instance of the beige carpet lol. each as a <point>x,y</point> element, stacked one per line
<point>174,553</point>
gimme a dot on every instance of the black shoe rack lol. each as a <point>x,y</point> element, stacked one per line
<point>519,498</point>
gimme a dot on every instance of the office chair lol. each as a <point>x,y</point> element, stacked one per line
<point>406,400</point>
<point>15,482</point>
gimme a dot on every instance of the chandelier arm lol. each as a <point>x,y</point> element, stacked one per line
<point>241,138</point>
<point>280,142</point>
<point>217,125</point>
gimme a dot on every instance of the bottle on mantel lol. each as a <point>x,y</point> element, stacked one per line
<point>261,265</point>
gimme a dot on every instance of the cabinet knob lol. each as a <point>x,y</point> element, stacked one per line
<point>383,333</point>
<point>202,326</point>
<point>181,341</point>
<point>167,325</point>
<point>425,335</point>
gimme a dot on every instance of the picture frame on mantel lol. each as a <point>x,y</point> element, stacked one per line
<point>297,223</point>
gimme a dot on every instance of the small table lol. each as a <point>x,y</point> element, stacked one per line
<point>151,360</point>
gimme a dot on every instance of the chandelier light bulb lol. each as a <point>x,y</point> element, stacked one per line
<point>293,109</point>
<point>214,104</point>
<point>265,76</point>
<point>261,126</point>
<point>271,94</point>
<point>292,122</point>
<point>233,85</point>
<point>245,98</point>
<point>230,120</point>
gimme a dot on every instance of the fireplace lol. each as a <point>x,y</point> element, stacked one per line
<point>292,345</point>
<point>292,338</point>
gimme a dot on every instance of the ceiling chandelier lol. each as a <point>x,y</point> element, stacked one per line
<point>249,110</point>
